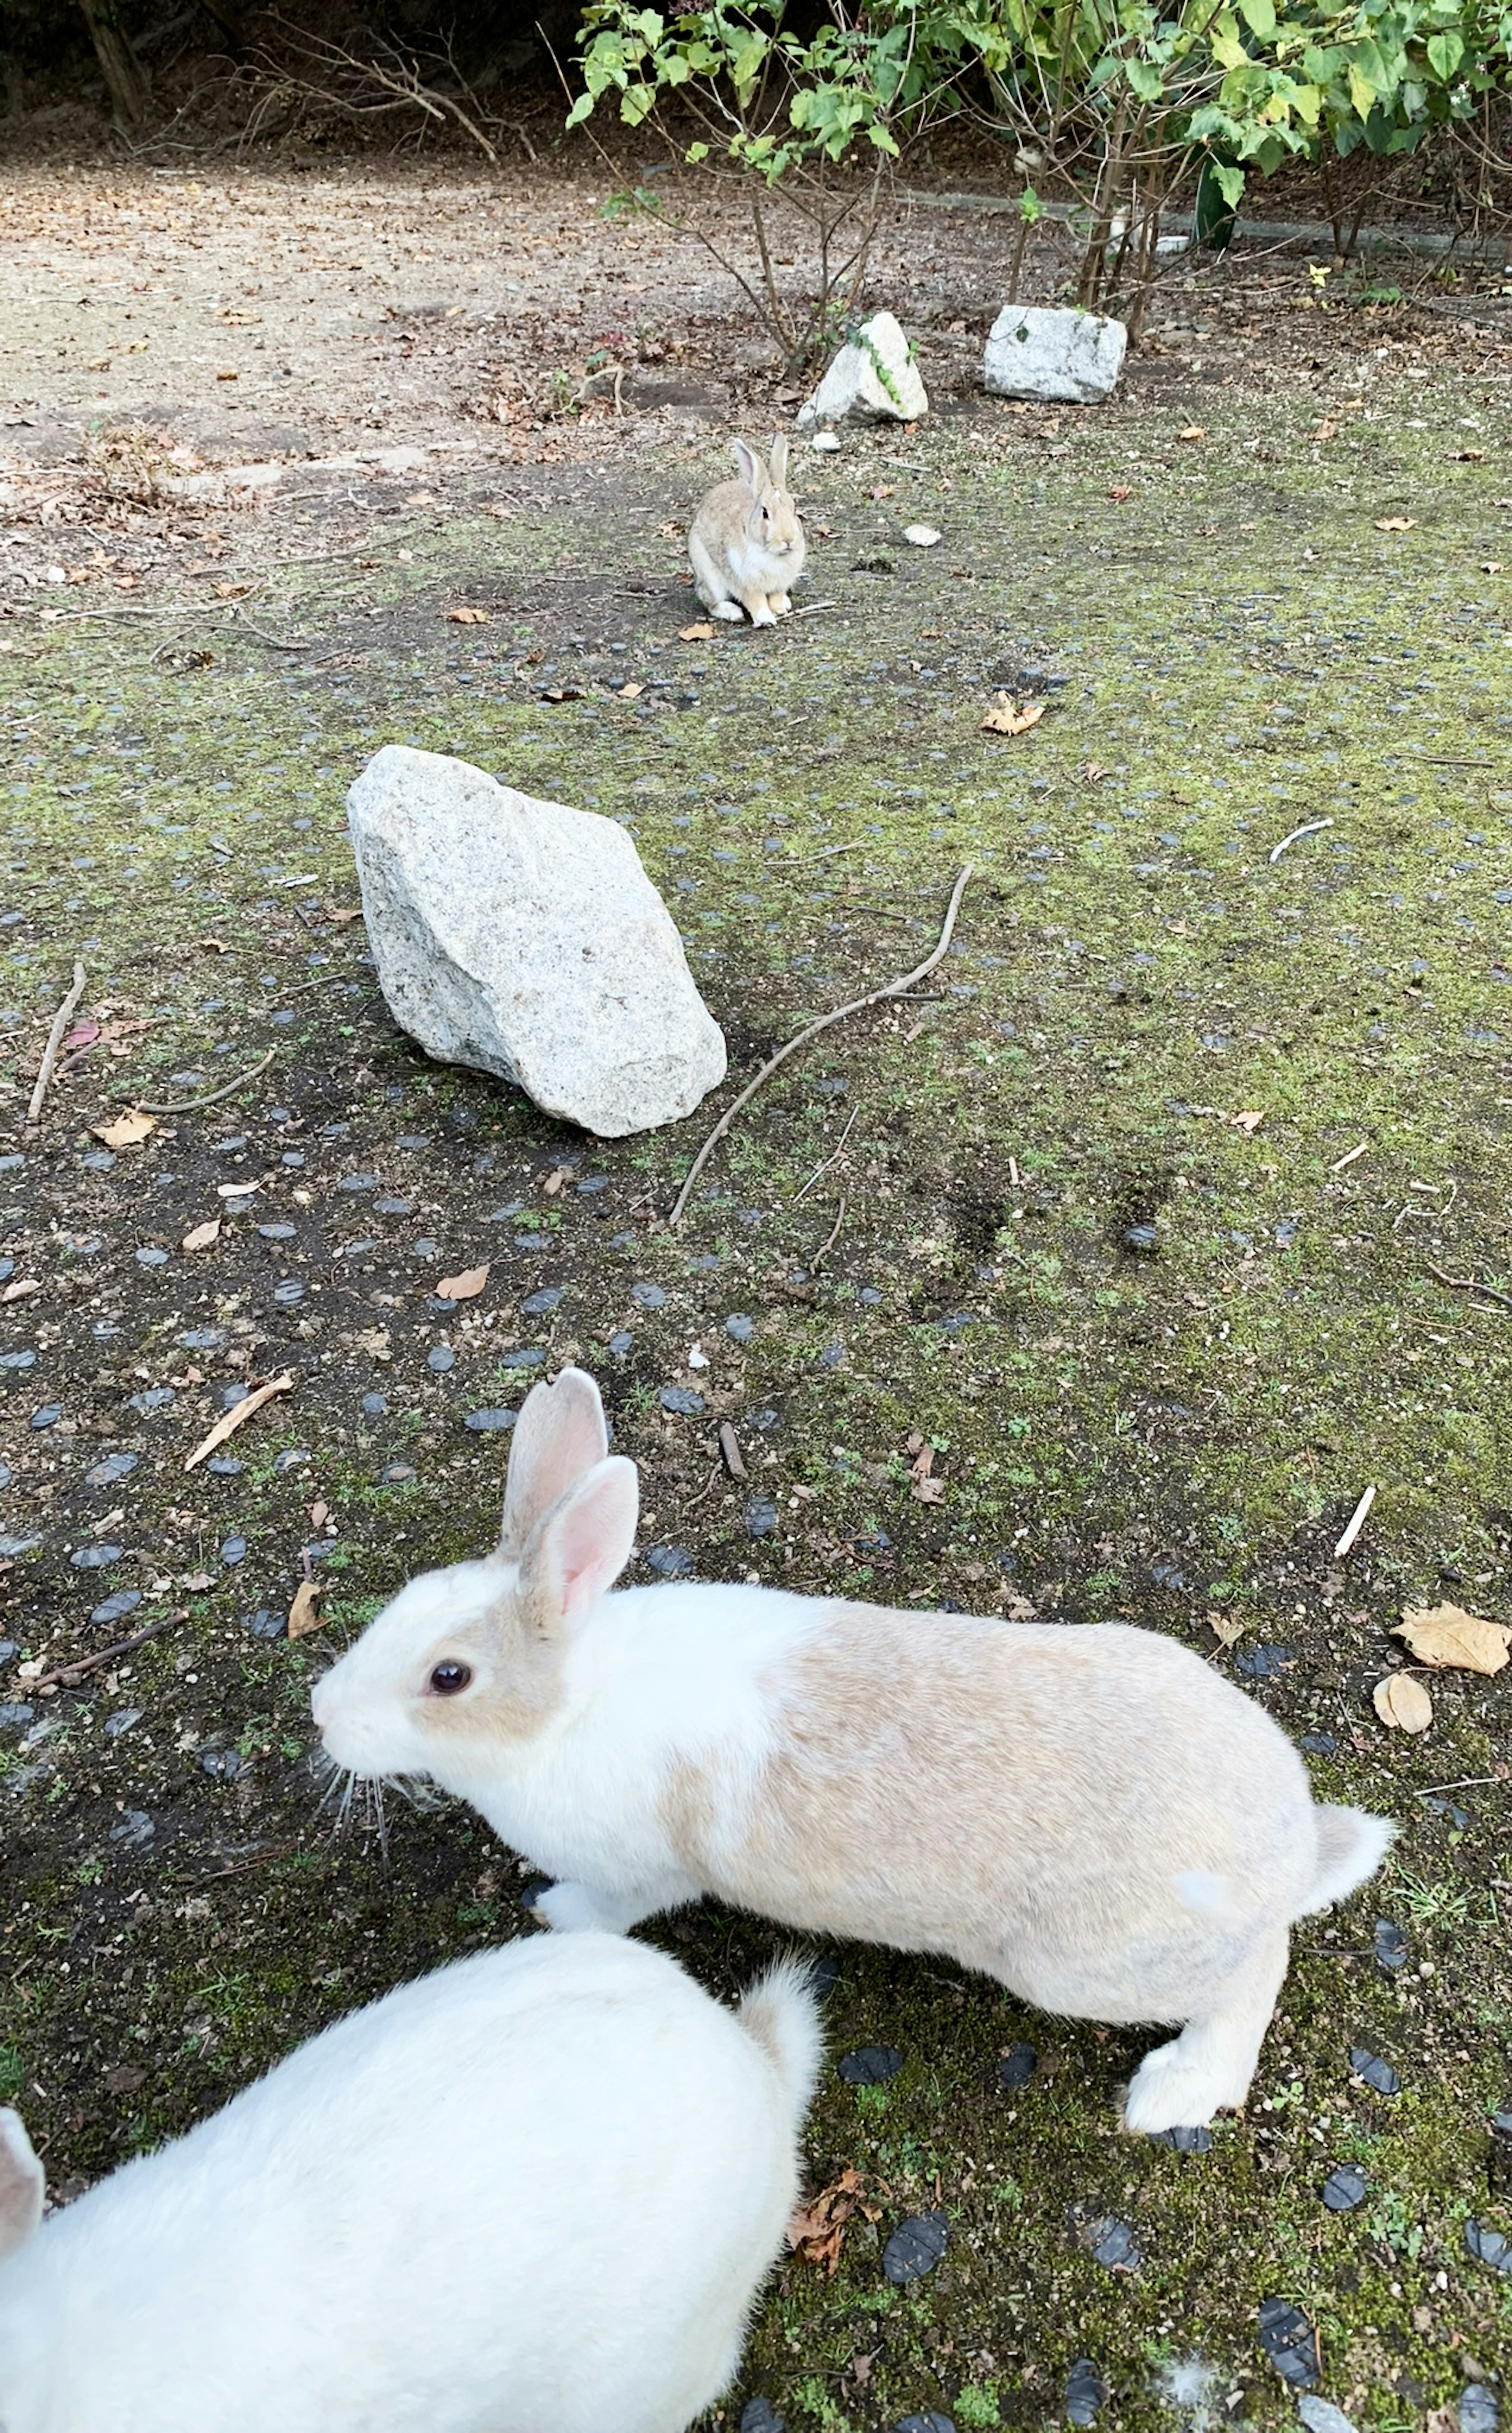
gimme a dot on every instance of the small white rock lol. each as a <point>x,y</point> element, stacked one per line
<point>1059,356</point>
<point>922,535</point>
<point>855,381</point>
<point>825,442</point>
<point>697,1357</point>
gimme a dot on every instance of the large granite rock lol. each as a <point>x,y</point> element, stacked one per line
<point>525,939</point>
<point>855,382</point>
<point>1061,356</point>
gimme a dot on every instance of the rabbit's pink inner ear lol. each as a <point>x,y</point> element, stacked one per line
<point>20,2185</point>
<point>583,1545</point>
<point>558,1436</point>
<point>750,465</point>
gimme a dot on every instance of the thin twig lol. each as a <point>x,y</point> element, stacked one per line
<point>856,1005</point>
<point>185,1106</point>
<point>828,1162</point>
<point>54,1041</point>
<point>1470,1283</point>
<point>230,1420</point>
<point>830,1239</point>
<point>1311,827</point>
<point>1466,1782</point>
<point>829,851</point>
<point>105,1654</point>
<point>813,607</point>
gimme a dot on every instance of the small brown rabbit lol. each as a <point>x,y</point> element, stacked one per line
<point>747,545</point>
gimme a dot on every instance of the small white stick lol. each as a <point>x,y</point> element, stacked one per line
<point>1350,1155</point>
<point>1311,829</point>
<point>54,1041</point>
<point>1357,1520</point>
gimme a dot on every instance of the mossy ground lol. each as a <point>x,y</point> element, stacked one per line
<point>1160,1433</point>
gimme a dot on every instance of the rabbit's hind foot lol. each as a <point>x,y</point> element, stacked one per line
<point>1208,2067</point>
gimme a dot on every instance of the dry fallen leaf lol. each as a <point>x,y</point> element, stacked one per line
<point>232,1420</point>
<point>213,946</point>
<point>1447,1635</point>
<point>817,2229</point>
<point>342,914</point>
<point>1193,431</point>
<point>125,1130</point>
<point>304,1613</point>
<point>1249,1121</point>
<point>1492,566</point>
<point>1120,493</point>
<point>1005,717</point>
<point>1402,1703</point>
<point>1395,523</point>
<point>467,616</point>
<point>695,633</point>
<point>1017,1607</point>
<point>631,691</point>
<point>202,1236</point>
<point>1326,429</point>
<point>466,1287</point>
<point>20,1289</point>
<point>1467,456</point>
<point>554,1182</point>
<point>196,1581</point>
<point>1226,1628</point>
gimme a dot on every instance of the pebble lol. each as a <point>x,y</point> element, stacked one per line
<point>1376,2073</point>
<point>760,1517</point>
<point>155,1398</point>
<point>870,2065</point>
<point>915,2248</point>
<point>203,1339</point>
<point>532,1358</point>
<point>1018,2066</point>
<point>10,1547</point>
<point>13,1717</point>
<point>1140,1238</point>
<point>669,1562</point>
<point>232,1551</point>
<point>393,1207</point>
<point>117,1607</point>
<point>1195,2140</point>
<point>150,1256</point>
<point>1259,1663</point>
<point>1477,2412</point>
<point>1344,2188</point>
<point>1319,2415</point>
<point>95,1558</point>
<point>440,1358</point>
<point>682,1400</point>
<point>620,1343</point>
<point>424,1248</point>
<point>17,1361</point>
<point>292,1457</point>
<point>46,1416</point>
<point>225,1763</point>
<point>277,1232</point>
<point>1390,1944</point>
<point>934,2421</point>
<point>759,2416</point>
<point>264,1622</point>
<point>399,1473</point>
<point>1490,2247</point>
<point>1113,2244</point>
<point>5,1475</point>
<point>135,1828</point>
<point>831,1357</point>
<point>358,1182</point>
<point>535,1304</point>
<point>738,1328</point>
<point>374,1406</point>
<point>1288,2339</point>
<point>485,1423</point>
<point>289,1292</point>
<point>224,1465</point>
<point>650,1296</point>
<point>232,1395</point>
<point>9,1650</point>
<point>1084,2392</point>
<point>115,1467</point>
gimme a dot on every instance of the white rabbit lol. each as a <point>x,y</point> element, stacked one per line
<point>1091,1814</point>
<point>746,546</point>
<point>533,2193</point>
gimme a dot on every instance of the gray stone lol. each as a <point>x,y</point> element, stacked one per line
<point>524,939</point>
<point>1071,358</point>
<point>854,384</point>
<point>1319,2415</point>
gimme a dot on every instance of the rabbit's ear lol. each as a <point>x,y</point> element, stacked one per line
<point>751,468</point>
<point>581,1547</point>
<point>20,2185</point>
<point>559,1434</point>
<point>779,462</point>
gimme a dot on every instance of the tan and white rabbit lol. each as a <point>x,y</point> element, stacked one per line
<point>1091,1815</point>
<point>538,2188</point>
<point>747,545</point>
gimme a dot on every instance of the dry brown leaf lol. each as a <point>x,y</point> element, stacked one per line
<point>557,1179</point>
<point>1395,523</point>
<point>213,946</point>
<point>1402,1703</point>
<point>227,1425</point>
<point>1249,1121</point>
<point>124,1130</point>
<point>342,914</point>
<point>925,1461</point>
<point>1194,431</point>
<point>631,691</point>
<point>202,1236</point>
<point>467,1286</point>
<point>196,1581</point>
<point>1120,492</point>
<point>1226,1628</point>
<point>1017,1607</point>
<point>695,633</point>
<point>929,1491</point>
<point>374,1341</point>
<point>467,616</point>
<point>915,1441</point>
<point>304,1613</point>
<point>1443,1635</point>
<point>817,2229</point>
<point>1327,429</point>
<point>1005,717</point>
<point>319,1513</point>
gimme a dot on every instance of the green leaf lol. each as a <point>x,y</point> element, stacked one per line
<point>582,108</point>
<point>1144,81</point>
<point>1230,183</point>
<point>1260,16</point>
<point>1445,52</point>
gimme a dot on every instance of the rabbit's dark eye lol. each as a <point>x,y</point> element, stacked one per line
<point>447,1679</point>
<point>766,516</point>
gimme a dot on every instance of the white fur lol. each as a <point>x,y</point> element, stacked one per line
<point>1093,1815</point>
<point>535,2193</point>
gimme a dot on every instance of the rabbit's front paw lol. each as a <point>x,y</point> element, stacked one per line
<point>780,603</point>
<point>572,1909</point>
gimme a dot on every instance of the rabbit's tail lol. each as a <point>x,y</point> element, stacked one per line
<point>781,2014</point>
<point>1350,1846</point>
